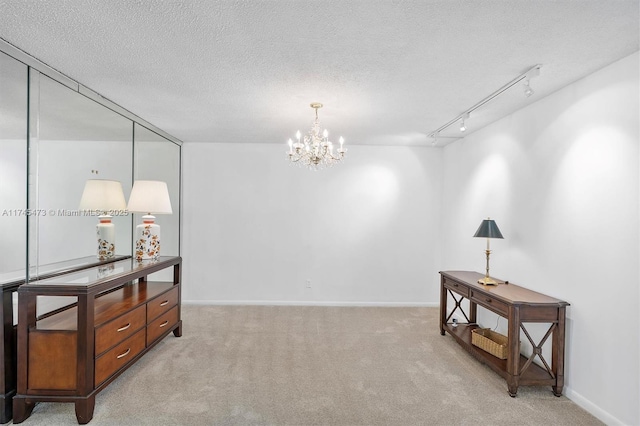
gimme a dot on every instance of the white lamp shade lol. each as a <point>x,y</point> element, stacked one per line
<point>102,195</point>
<point>150,196</point>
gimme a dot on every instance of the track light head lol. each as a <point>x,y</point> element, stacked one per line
<point>532,73</point>
<point>528,91</point>
<point>463,126</point>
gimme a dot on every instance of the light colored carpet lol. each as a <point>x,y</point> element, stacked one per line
<point>283,365</point>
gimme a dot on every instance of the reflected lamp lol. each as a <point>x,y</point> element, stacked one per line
<point>488,229</point>
<point>149,197</point>
<point>103,197</point>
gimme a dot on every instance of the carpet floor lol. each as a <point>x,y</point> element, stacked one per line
<point>310,365</point>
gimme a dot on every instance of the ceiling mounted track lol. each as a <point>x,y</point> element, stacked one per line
<point>464,116</point>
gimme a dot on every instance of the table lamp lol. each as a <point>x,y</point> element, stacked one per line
<point>103,196</point>
<point>488,229</point>
<point>149,197</point>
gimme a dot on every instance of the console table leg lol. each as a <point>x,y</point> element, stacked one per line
<point>512,384</point>
<point>557,352</point>
<point>84,410</point>
<point>21,410</point>
<point>443,306</point>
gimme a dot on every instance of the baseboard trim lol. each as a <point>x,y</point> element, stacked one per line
<point>309,303</point>
<point>592,408</point>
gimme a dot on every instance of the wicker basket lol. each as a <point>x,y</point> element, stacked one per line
<point>490,341</point>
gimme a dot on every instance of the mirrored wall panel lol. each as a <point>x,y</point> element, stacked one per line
<point>13,168</point>
<point>73,140</point>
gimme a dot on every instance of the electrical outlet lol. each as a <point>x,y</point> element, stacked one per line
<point>308,282</point>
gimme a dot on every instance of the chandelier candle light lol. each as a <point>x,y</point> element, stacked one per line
<point>149,196</point>
<point>103,197</point>
<point>488,229</point>
<point>315,150</point>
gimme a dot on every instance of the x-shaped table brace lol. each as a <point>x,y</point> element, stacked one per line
<point>537,349</point>
<point>457,307</point>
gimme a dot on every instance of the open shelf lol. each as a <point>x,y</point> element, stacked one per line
<point>533,375</point>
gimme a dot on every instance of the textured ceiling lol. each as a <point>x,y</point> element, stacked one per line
<point>388,72</point>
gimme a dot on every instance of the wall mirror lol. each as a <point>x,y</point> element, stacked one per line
<point>13,168</point>
<point>56,134</point>
<point>72,139</point>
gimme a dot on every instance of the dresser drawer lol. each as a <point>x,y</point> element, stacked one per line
<point>117,357</point>
<point>120,328</point>
<point>461,289</point>
<point>159,326</point>
<point>490,303</point>
<point>162,304</point>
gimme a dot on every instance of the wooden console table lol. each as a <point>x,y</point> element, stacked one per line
<point>9,282</point>
<point>71,354</point>
<point>519,305</point>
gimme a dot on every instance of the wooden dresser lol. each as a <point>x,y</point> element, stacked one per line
<point>10,282</point>
<point>71,354</point>
<point>519,305</point>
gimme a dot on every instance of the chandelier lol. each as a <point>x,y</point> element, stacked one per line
<point>315,150</point>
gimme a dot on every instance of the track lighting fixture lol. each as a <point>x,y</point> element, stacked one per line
<point>534,72</point>
<point>528,91</point>
<point>463,126</point>
<point>525,78</point>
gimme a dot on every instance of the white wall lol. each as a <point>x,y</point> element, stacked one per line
<point>561,179</point>
<point>256,228</point>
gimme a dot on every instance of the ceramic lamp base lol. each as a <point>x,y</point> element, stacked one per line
<point>106,233</point>
<point>147,239</point>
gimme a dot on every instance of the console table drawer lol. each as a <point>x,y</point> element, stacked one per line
<point>490,303</point>
<point>461,289</point>
<point>119,329</point>
<point>162,304</point>
<point>162,324</point>
<point>117,357</point>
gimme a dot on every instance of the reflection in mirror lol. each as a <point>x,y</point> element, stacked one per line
<point>76,139</point>
<point>157,158</point>
<point>13,169</point>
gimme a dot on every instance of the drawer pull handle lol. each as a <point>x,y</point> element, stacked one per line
<point>455,285</point>
<point>166,302</point>
<point>124,328</point>
<point>164,324</point>
<point>125,353</point>
<point>488,300</point>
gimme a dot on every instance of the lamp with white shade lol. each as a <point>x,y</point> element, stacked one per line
<point>103,197</point>
<point>149,197</point>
